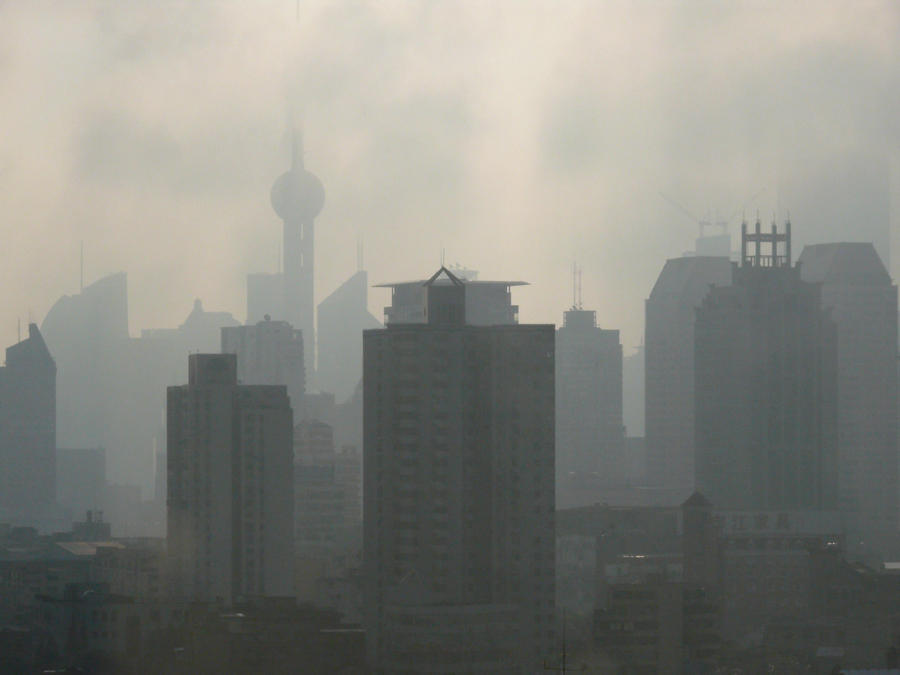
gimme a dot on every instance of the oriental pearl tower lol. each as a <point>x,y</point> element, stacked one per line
<point>297,197</point>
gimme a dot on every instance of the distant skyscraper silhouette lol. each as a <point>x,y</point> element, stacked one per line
<point>342,317</point>
<point>28,431</point>
<point>230,485</point>
<point>297,197</point>
<point>590,436</point>
<point>766,385</point>
<point>857,289</point>
<point>270,352</point>
<point>459,536</point>
<point>669,366</point>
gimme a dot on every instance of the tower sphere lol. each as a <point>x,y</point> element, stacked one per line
<point>297,195</point>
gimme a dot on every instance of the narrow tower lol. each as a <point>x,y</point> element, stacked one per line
<point>298,197</point>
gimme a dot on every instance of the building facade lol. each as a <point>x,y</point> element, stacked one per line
<point>590,436</point>
<point>669,366</point>
<point>766,386</point>
<point>230,485</point>
<point>269,352</point>
<point>459,506</point>
<point>28,431</point>
<point>857,290</point>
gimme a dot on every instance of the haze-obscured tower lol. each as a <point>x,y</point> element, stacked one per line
<point>297,197</point>
<point>230,485</point>
<point>590,436</point>
<point>765,360</point>
<point>28,431</point>
<point>857,289</point>
<point>459,513</point>
<point>669,366</point>
<point>342,318</point>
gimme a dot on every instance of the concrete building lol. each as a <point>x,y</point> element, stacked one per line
<point>857,290</point>
<point>488,303</point>
<point>458,492</point>
<point>753,563</point>
<point>297,197</point>
<point>766,385</point>
<point>327,493</point>
<point>28,432</point>
<point>342,317</point>
<point>269,352</point>
<point>669,366</point>
<point>230,485</point>
<point>590,436</point>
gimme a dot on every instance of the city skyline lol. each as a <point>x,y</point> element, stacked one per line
<point>444,159</point>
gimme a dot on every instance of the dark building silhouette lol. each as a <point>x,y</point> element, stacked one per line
<point>230,485</point>
<point>766,385</point>
<point>669,366</point>
<point>458,491</point>
<point>28,431</point>
<point>857,290</point>
<point>488,303</point>
<point>342,317</point>
<point>590,436</point>
<point>297,197</point>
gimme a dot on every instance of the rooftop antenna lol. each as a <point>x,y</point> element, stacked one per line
<point>574,284</point>
<point>442,256</point>
<point>580,273</point>
<point>81,278</point>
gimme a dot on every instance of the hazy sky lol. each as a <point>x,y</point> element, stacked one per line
<point>516,135</point>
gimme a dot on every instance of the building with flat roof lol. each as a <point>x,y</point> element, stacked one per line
<point>230,485</point>
<point>857,290</point>
<point>459,508</point>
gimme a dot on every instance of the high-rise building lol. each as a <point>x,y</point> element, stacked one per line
<point>297,197</point>
<point>669,366</point>
<point>28,430</point>
<point>342,317</point>
<point>590,436</point>
<point>857,290</point>
<point>459,509</point>
<point>488,303</point>
<point>230,485</point>
<point>765,360</point>
<point>269,352</point>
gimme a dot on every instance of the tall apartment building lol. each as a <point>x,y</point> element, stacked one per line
<point>28,431</point>
<point>268,352</point>
<point>590,436</point>
<point>766,385</point>
<point>459,512</point>
<point>857,290</point>
<point>230,485</point>
<point>669,366</point>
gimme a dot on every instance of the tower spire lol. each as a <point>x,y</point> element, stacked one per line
<point>296,148</point>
